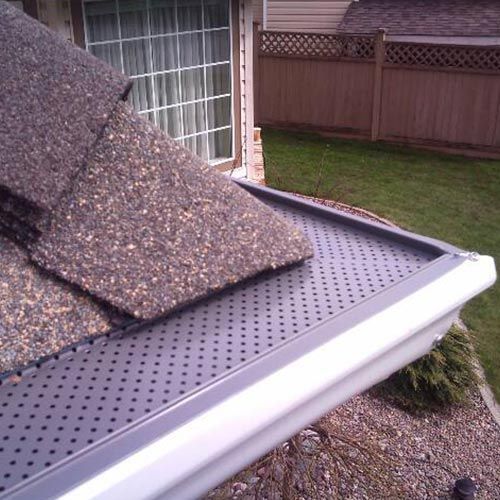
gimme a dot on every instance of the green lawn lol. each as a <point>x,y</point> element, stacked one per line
<point>451,198</point>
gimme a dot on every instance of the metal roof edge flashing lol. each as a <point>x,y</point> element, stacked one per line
<point>432,245</point>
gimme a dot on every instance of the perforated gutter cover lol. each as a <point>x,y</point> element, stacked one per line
<point>174,407</point>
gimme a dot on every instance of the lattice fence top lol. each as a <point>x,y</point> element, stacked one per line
<point>326,46</point>
<point>444,56</point>
<point>280,43</point>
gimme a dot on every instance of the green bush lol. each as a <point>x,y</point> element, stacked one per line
<point>438,379</point>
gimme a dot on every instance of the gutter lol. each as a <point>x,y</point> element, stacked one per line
<point>232,434</point>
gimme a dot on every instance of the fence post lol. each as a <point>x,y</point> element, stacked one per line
<point>377,82</point>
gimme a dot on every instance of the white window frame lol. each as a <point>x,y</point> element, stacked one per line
<point>180,104</point>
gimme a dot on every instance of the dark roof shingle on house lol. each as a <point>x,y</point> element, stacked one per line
<point>131,220</point>
<point>149,227</point>
<point>40,314</point>
<point>54,99</point>
<point>477,18</point>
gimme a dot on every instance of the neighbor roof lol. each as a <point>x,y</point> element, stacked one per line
<point>424,17</point>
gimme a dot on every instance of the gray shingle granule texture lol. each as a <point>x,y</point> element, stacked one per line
<point>149,227</point>
<point>20,232</point>
<point>39,314</point>
<point>25,213</point>
<point>55,100</point>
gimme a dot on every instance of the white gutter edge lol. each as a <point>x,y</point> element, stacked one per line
<point>201,453</point>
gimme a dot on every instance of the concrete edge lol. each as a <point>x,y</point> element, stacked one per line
<point>488,396</point>
<point>484,388</point>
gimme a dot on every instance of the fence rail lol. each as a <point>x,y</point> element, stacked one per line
<point>437,95</point>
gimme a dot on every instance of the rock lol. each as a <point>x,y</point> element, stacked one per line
<point>278,472</point>
<point>239,487</point>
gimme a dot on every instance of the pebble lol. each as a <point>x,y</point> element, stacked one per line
<point>239,487</point>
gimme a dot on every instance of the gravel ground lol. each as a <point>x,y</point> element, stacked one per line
<point>414,457</point>
<point>431,451</point>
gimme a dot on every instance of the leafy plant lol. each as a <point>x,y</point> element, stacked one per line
<point>440,378</point>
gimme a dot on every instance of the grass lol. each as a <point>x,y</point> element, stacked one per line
<point>452,198</point>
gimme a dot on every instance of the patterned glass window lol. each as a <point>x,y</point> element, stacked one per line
<point>178,53</point>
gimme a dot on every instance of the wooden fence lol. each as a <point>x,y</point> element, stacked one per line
<point>443,96</point>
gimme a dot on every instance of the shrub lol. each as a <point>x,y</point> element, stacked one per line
<point>322,461</point>
<point>438,379</point>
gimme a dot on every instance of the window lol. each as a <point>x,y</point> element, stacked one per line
<point>178,53</point>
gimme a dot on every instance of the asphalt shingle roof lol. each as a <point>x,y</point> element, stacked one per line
<point>39,314</point>
<point>150,227</point>
<point>28,215</point>
<point>132,221</point>
<point>54,100</point>
<point>424,17</point>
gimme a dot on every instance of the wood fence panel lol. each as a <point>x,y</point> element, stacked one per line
<point>436,95</point>
<point>448,107</point>
<point>321,94</point>
<point>496,134</point>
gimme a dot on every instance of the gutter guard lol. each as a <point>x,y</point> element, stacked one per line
<point>238,430</point>
<point>183,449</point>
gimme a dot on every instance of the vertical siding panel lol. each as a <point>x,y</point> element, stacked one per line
<point>326,94</point>
<point>305,15</point>
<point>258,12</point>
<point>455,108</point>
<point>496,132</point>
<point>456,86</point>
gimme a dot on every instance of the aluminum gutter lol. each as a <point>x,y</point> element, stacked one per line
<point>221,438</point>
<point>182,450</point>
<point>187,462</point>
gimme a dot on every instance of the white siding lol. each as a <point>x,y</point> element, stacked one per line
<point>304,15</point>
<point>246,82</point>
<point>258,11</point>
